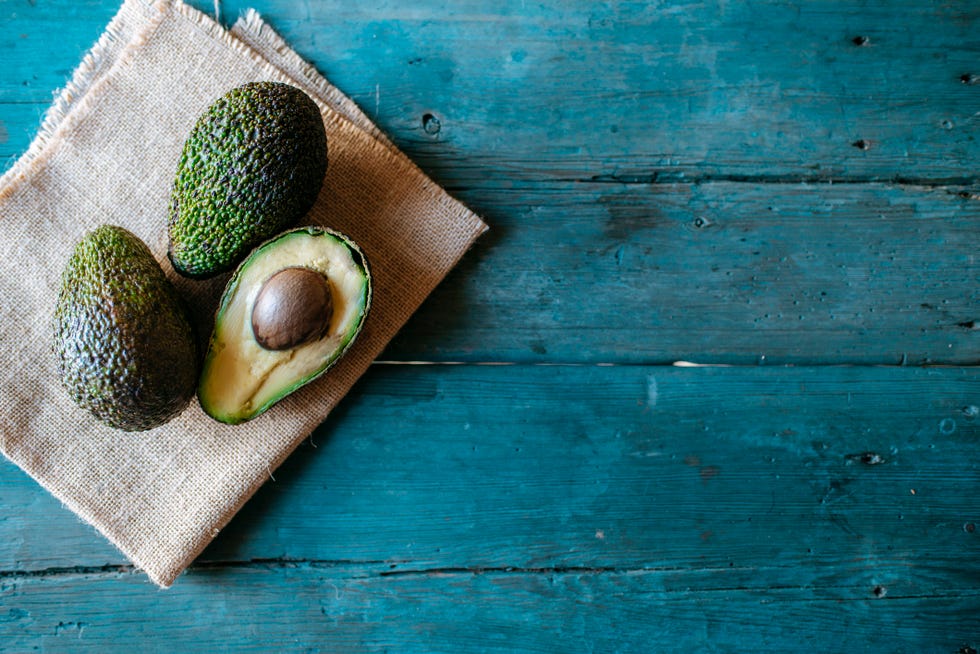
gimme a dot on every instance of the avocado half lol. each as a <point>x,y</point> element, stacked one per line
<point>241,378</point>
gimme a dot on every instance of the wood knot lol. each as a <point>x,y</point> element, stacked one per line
<point>430,124</point>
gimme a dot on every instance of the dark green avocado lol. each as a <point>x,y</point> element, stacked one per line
<point>288,314</point>
<point>124,345</point>
<point>251,167</point>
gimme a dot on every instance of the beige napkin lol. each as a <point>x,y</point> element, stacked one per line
<point>107,153</point>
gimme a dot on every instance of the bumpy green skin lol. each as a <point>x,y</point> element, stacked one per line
<point>124,345</point>
<point>252,166</point>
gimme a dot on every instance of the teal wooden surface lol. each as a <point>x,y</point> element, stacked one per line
<point>329,609</point>
<point>714,273</point>
<point>788,190</point>
<point>623,91</point>
<point>709,500</point>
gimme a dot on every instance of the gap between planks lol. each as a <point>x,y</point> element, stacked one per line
<point>357,572</point>
<point>682,178</point>
<point>671,364</point>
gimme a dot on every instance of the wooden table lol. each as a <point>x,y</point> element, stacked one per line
<point>784,194</point>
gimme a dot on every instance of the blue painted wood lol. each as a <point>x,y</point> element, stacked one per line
<point>311,608</point>
<point>714,273</point>
<point>629,91</point>
<point>521,466</point>
<point>641,91</point>
<point>698,495</point>
<point>663,181</point>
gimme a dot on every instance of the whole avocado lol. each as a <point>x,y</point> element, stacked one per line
<point>124,345</point>
<point>251,167</point>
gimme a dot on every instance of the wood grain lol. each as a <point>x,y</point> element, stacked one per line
<point>798,471</point>
<point>550,466</point>
<point>311,608</point>
<point>644,91</point>
<point>617,91</point>
<point>713,273</point>
<point>608,266</point>
<point>745,184</point>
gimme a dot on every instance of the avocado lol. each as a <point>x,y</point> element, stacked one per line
<point>125,348</point>
<point>288,313</point>
<point>251,167</point>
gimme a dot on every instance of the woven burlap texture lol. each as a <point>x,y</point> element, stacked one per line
<point>107,153</point>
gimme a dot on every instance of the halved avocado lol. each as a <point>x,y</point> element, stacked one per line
<point>304,325</point>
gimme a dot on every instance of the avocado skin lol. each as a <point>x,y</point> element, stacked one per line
<point>251,167</point>
<point>208,394</point>
<point>125,348</point>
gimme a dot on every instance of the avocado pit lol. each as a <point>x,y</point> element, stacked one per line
<point>293,307</point>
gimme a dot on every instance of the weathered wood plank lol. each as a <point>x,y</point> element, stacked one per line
<point>714,273</point>
<point>651,273</point>
<point>639,164</point>
<point>34,63</point>
<point>360,609</point>
<point>722,272</point>
<point>41,43</point>
<point>622,90</point>
<point>635,467</point>
<point>870,474</point>
<point>646,90</point>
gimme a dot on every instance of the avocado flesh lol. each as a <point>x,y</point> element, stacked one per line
<point>241,379</point>
<point>251,167</point>
<point>124,345</point>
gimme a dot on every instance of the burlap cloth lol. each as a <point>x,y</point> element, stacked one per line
<point>107,153</point>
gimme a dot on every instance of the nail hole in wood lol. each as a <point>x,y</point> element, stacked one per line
<point>861,40</point>
<point>862,144</point>
<point>867,458</point>
<point>431,124</point>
